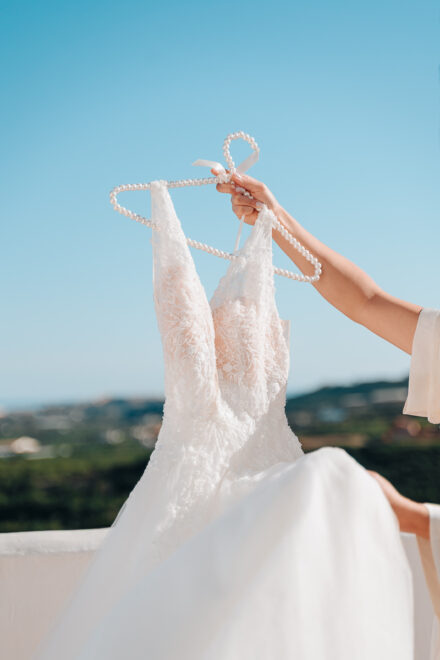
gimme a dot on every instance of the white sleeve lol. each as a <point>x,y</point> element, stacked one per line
<point>430,556</point>
<point>424,376</point>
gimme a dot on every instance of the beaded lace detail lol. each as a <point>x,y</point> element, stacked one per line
<point>226,364</point>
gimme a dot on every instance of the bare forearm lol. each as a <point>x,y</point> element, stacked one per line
<point>348,288</point>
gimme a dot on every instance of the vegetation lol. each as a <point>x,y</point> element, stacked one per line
<point>83,491</point>
<point>88,489</point>
<point>73,466</point>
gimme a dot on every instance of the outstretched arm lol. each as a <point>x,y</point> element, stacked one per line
<point>343,284</point>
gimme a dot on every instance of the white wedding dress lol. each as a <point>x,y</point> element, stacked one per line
<point>234,544</point>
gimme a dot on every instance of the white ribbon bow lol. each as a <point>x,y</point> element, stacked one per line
<point>241,168</point>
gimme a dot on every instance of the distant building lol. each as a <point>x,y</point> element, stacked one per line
<point>25,445</point>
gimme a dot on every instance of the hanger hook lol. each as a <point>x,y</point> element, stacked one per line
<point>249,161</point>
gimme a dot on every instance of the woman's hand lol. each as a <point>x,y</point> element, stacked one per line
<point>241,204</point>
<point>413,516</point>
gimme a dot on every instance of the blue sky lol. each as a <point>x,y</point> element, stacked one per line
<point>343,100</point>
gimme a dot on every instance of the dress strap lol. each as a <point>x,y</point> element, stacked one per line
<point>237,239</point>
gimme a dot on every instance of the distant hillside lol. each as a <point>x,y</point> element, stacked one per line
<point>363,393</point>
<point>350,415</point>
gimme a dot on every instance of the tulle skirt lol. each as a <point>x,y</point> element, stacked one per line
<point>304,563</point>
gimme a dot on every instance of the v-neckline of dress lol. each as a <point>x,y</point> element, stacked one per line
<point>239,253</point>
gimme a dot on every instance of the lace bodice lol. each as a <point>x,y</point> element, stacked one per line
<point>226,366</point>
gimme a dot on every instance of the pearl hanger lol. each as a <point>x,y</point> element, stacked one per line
<point>223,177</point>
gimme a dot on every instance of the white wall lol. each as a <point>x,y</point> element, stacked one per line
<point>39,570</point>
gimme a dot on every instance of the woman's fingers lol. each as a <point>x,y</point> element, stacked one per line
<point>240,180</point>
<point>243,200</point>
<point>247,212</point>
<point>249,183</point>
<point>225,187</point>
<point>259,191</point>
<point>242,205</point>
<point>242,210</point>
<point>231,188</point>
<point>413,516</point>
<point>390,491</point>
